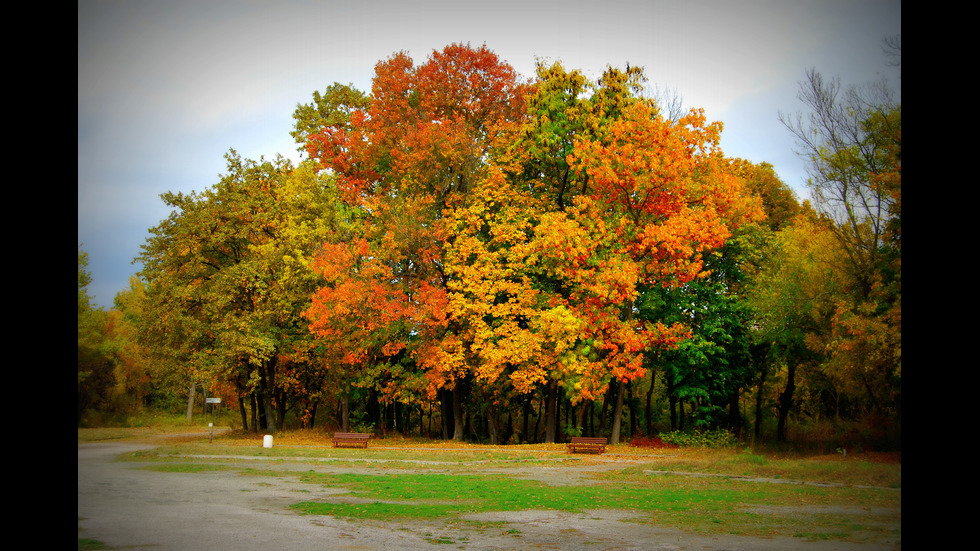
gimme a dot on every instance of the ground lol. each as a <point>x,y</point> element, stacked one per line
<point>128,507</point>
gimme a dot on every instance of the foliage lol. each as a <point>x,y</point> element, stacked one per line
<point>114,375</point>
<point>94,356</point>
<point>701,439</point>
<point>466,246</point>
<point>331,108</point>
<point>227,279</point>
<point>852,139</point>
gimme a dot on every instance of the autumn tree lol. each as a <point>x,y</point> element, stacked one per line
<point>417,150</point>
<point>113,374</point>
<point>215,293</point>
<point>779,201</point>
<point>562,107</point>
<point>135,377</point>
<point>631,199</point>
<point>662,192</point>
<point>709,371</point>
<point>720,362</point>
<point>512,326</point>
<point>332,108</point>
<point>95,366</point>
<point>458,235</point>
<point>852,139</point>
<point>596,193</point>
<point>558,111</point>
<point>511,331</point>
<point>357,314</point>
<point>310,215</point>
<point>793,299</point>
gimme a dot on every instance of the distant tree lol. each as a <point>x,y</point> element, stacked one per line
<point>95,378</point>
<point>215,302</point>
<point>793,297</point>
<point>852,138</point>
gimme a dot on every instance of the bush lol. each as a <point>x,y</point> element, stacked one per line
<point>701,439</point>
<point>646,442</point>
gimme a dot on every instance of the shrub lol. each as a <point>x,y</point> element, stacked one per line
<point>647,442</point>
<point>701,439</point>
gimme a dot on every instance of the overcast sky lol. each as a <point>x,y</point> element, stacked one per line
<point>166,88</point>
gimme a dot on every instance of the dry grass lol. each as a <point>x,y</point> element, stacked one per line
<point>867,469</point>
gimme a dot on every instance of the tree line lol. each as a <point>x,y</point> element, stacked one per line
<point>522,260</point>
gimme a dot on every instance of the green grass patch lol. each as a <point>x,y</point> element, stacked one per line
<point>388,483</point>
<point>864,473</point>
<point>86,544</point>
<point>700,505</point>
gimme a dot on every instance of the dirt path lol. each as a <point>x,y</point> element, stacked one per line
<point>124,506</point>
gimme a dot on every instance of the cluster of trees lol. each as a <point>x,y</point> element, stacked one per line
<point>463,245</point>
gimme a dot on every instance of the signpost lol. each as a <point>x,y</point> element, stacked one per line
<point>215,403</point>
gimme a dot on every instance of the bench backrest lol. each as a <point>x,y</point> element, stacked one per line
<point>587,440</point>
<point>351,435</point>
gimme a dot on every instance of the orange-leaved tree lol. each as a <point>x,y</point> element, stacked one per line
<point>659,196</point>
<point>418,149</point>
<point>358,315</point>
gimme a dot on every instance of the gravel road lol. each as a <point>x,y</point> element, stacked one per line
<point>126,507</point>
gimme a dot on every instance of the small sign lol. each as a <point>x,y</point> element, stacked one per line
<point>213,400</point>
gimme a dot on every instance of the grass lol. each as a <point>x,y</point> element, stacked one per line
<point>86,544</point>
<point>408,480</point>
<point>701,505</point>
<point>393,453</point>
<point>828,469</point>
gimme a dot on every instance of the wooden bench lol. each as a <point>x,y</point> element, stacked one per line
<point>351,439</point>
<point>587,445</point>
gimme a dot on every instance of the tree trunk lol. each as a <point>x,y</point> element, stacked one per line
<point>551,413</point>
<point>190,402</point>
<point>537,420</point>
<point>265,387</point>
<point>605,406</point>
<point>345,409</point>
<point>280,405</point>
<point>241,410</point>
<point>458,412</point>
<point>260,409</point>
<point>672,404</point>
<point>757,431</point>
<point>507,433</point>
<point>492,426</point>
<point>734,414</point>
<point>526,414</point>
<point>312,409</point>
<point>375,418</point>
<point>445,412</point>
<point>255,411</point>
<point>591,416</point>
<point>649,405</point>
<point>580,417</point>
<point>270,413</point>
<point>785,402</point>
<point>631,402</point>
<point>617,413</point>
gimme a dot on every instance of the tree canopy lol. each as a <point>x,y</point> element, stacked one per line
<point>465,242</point>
